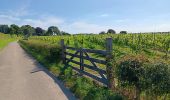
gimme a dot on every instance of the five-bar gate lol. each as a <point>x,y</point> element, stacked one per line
<point>83,54</point>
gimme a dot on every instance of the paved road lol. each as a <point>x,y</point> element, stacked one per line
<point>22,78</point>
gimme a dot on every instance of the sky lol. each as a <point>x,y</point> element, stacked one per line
<point>88,16</point>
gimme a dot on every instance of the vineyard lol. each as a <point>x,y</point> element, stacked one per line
<point>140,63</point>
<point>152,45</point>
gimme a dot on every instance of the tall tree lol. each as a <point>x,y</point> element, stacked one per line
<point>53,30</point>
<point>111,31</point>
<point>14,29</point>
<point>4,29</point>
<point>27,30</point>
<point>39,31</point>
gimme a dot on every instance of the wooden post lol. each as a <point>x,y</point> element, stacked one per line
<point>81,60</point>
<point>110,64</point>
<point>63,51</point>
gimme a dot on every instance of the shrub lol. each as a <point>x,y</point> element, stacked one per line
<point>130,72</point>
<point>158,78</point>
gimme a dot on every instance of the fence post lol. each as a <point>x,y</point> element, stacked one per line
<point>110,65</point>
<point>81,60</point>
<point>63,51</point>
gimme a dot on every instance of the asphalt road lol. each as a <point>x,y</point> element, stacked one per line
<point>22,78</point>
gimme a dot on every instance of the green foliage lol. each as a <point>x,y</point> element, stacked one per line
<point>4,29</point>
<point>68,72</point>
<point>82,87</point>
<point>27,31</point>
<point>130,70</point>
<point>102,32</point>
<point>14,29</point>
<point>5,39</point>
<point>53,30</point>
<point>157,78</point>
<point>123,32</point>
<point>56,70</point>
<point>98,93</point>
<point>111,31</point>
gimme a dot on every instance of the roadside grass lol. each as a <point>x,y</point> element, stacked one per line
<point>5,39</point>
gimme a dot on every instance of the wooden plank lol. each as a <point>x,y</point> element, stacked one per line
<point>63,51</point>
<point>95,68</point>
<point>104,81</point>
<point>81,60</point>
<point>102,52</point>
<point>94,65</point>
<point>73,61</point>
<point>109,68</point>
<point>87,58</point>
<point>72,48</point>
<point>88,66</point>
<point>72,56</point>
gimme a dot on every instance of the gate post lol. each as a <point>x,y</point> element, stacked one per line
<point>81,60</point>
<point>63,51</point>
<point>110,65</point>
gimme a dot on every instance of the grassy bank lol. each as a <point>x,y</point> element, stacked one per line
<point>84,88</point>
<point>5,39</point>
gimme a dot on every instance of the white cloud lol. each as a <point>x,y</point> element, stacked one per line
<point>44,21</point>
<point>104,15</point>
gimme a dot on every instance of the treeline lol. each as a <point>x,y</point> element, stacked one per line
<point>29,30</point>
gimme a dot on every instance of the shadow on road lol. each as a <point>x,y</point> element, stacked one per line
<point>39,68</point>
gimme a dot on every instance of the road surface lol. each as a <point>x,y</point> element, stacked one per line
<point>22,78</point>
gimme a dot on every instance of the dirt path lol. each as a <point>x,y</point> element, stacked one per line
<point>22,78</point>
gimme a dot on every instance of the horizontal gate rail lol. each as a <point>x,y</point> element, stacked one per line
<point>102,52</point>
<point>86,58</point>
<point>88,66</point>
<point>104,81</point>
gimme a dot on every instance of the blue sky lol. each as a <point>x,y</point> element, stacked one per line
<point>87,16</point>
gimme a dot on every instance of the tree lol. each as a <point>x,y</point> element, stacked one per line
<point>14,29</point>
<point>4,29</point>
<point>39,31</point>
<point>111,31</point>
<point>123,32</point>
<point>102,32</point>
<point>53,30</point>
<point>64,33</point>
<point>27,30</point>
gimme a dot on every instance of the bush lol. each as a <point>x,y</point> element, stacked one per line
<point>158,78</point>
<point>130,72</point>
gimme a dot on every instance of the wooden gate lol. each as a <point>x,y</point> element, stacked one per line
<point>83,54</point>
